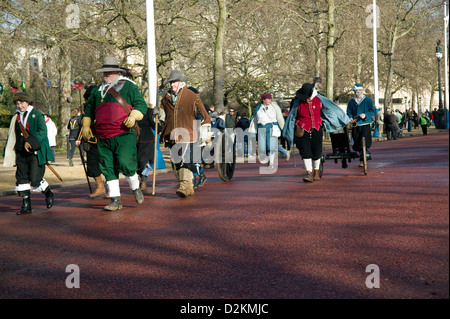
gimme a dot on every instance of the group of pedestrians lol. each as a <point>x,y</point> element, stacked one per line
<point>116,133</point>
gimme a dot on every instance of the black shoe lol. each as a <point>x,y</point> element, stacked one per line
<point>202,179</point>
<point>194,182</point>
<point>49,197</point>
<point>26,206</point>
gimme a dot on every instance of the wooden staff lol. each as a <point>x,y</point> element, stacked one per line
<point>155,155</point>
<point>85,170</point>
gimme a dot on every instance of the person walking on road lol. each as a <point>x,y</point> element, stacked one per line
<point>392,128</point>
<point>379,120</point>
<point>309,130</point>
<point>29,154</point>
<point>109,109</point>
<point>360,108</point>
<point>179,132</point>
<point>73,126</point>
<point>424,123</point>
<point>267,122</point>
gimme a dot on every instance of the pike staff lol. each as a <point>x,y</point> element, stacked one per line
<point>152,77</point>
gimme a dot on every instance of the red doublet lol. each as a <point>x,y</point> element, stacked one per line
<point>109,119</point>
<point>308,114</point>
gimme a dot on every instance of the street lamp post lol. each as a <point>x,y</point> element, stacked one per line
<point>440,122</point>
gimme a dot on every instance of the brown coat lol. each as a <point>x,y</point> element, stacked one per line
<point>182,115</point>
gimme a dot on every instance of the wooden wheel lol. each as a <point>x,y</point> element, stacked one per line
<point>225,167</point>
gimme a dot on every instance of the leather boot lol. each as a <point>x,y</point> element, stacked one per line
<point>100,190</point>
<point>316,174</point>
<point>26,202</point>
<point>49,197</point>
<point>309,177</point>
<point>115,204</point>
<point>186,187</point>
<point>143,185</point>
<point>138,195</point>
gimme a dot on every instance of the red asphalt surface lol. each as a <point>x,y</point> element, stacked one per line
<point>257,236</point>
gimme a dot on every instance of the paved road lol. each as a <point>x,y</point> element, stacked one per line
<point>257,236</point>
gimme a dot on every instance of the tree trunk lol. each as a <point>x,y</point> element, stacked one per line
<point>390,73</point>
<point>218,57</point>
<point>64,66</point>
<point>330,50</point>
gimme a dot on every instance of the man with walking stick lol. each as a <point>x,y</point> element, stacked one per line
<point>114,107</point>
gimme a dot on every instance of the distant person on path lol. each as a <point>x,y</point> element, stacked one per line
<point>409,118</point>
<point>51,133</point>
<point>392,129</point>
<point>424,122</point>
<point>360,108</point>
<point>108,108</point>
<point>73,126</point>
<point>29,154</point>
<point>244,124</point>
<point>267,122</point>
<point>379,121</point>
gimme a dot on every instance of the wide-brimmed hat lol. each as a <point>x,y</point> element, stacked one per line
<point>111,64</point>
<point>175,75</point>
<point>23,97</point>
<point>305,92</point>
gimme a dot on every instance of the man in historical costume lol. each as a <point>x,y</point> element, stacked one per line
<point>114,128</point>
<point>360,108</point>
<point>31,153</point>
<point>181,105</point>
<point>310,114</point>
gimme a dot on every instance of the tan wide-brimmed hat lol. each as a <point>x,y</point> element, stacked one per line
<point>111,64</point>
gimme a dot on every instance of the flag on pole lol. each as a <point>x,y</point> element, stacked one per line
<point>23,85</point>
<point>1,88</point>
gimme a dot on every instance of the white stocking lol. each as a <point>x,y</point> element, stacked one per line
<point>308,164</point>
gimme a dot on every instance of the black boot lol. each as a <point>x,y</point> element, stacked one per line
<point>201,180</point>
<point>49,197</point>
<point>26,202</point>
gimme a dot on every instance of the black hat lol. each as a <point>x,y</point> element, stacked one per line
<point>305,92</point>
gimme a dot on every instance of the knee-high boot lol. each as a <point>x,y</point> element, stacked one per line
<point>49,197</point>
<point>100,190</point>
<point>186,187</point>
<point>26,202</point>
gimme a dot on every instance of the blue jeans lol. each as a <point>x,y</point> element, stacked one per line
<point>266,142</point>
<point>282,150</point>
